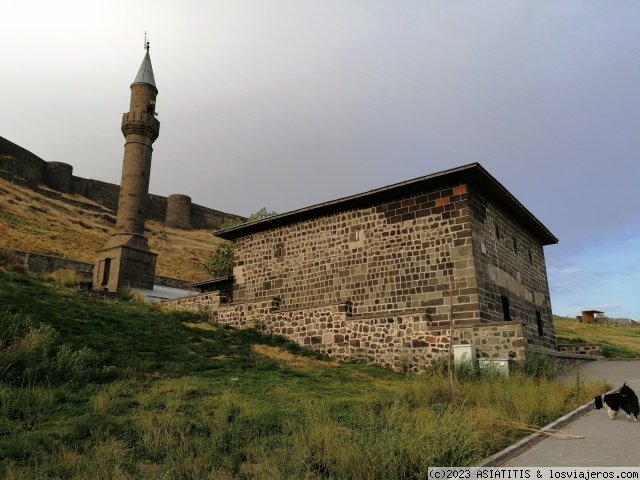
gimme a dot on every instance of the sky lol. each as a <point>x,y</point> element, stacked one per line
<point>284,104</point>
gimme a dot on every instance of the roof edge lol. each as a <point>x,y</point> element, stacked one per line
<point>464,172</point>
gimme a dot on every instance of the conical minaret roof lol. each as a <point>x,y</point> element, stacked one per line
<point>145,74</point>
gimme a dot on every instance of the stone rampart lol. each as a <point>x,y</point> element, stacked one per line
<point>23,167</point>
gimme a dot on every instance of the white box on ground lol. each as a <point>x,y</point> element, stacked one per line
<point>465,354</point>
<point>494,364</point>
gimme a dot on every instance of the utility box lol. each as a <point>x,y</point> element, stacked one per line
<point>465,354</point>
<point>500,366</point>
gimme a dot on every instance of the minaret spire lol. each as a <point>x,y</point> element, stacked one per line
<point>126,260</point>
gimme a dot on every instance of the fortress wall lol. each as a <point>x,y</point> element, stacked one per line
<point>106,194</point>
<point>25,168</point>
<point>178,211</point>
<point>203,217</point>
<point>156,207</point>
<point>59,176</point>
<point>15,161</point>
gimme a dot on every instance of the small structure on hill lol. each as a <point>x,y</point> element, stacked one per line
<point>590,316</point>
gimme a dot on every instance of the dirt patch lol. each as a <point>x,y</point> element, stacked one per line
<point>201,326</point>
<point>292,360</point>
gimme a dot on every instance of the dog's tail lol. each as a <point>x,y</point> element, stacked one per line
<point>626,390</point>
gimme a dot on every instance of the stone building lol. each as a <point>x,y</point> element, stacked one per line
<point>126,260</point>
<point>378,275</point>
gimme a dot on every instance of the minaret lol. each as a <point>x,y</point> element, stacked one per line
<point>126,260</point>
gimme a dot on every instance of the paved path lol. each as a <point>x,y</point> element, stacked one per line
<point>607,443</point>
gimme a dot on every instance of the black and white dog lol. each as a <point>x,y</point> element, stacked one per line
<point>624,398</point>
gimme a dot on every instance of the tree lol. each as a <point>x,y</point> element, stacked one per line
<point>259,215</point>
<point>220,263</point>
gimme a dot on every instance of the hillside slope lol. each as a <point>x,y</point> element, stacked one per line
<point>74,227</point>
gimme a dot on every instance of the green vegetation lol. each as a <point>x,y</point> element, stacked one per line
<point>617,341</point>
<point>115,389</point>
<point>220,263</point>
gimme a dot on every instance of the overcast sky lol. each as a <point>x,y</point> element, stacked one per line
<point>285,104</point>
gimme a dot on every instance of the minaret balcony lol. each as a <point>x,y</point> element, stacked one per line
<point>141,124</point>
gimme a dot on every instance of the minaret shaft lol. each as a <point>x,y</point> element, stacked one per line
<point>126,260</point>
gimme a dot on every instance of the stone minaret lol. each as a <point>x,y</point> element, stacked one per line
<point>126,260</point>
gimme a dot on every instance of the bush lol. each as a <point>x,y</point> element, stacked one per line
<point>538,365</point>
<point>66,278</point>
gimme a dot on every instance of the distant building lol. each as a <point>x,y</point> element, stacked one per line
<point>590,316</point>
<point>373,275</point>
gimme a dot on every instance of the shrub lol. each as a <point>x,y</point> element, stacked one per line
<point>65,277</point>
<point>538,365</point>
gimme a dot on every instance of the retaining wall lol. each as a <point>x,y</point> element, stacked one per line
<point>404,341</point>
<point>43,264</point>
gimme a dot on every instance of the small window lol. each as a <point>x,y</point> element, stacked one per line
<point>279,251</point>
<point>530,257</point>
<point>539,323</point>
<point>497,232</point>
<point>506,312</point>
<point>515,244</point>
<point>354,236</point>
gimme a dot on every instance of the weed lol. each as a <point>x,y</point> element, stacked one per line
<point>65,277</point>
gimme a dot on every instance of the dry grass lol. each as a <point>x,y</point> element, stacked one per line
<point>33,222</point>
<point>290,359</point>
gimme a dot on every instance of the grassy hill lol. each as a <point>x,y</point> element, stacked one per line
<point>617,341</point>
<point>113,389</point>
<point>34,222</point>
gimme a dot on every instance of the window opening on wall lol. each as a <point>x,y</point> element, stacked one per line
<point>279,251</point>
<point>530,257</point>
<point>497,232</point>
<point>539,323</point>
<point>515,244</point>
<point>354,236</point>
<point>506,312</point>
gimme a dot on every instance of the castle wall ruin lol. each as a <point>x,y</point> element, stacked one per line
<point>24,168</point>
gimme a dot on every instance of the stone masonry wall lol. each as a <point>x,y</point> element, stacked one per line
<point>396,256</point>
<point>403,342</point>
<point>510,263</point>
<point>581,348</point>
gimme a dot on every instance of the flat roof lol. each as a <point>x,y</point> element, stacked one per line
<point>473,172</point>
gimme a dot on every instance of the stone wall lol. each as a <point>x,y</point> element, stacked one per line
<point>395,255</point>
<point>23,167</point>
<point>401,342</point>
<point>510,265</point>
<point>581,348</point>
<point>42,264</point>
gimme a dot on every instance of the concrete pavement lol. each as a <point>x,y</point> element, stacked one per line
<point>607,443</point>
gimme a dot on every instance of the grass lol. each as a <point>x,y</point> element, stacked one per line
<point>617,341</point>
<point>36,223</point>
<point>159,394</point>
